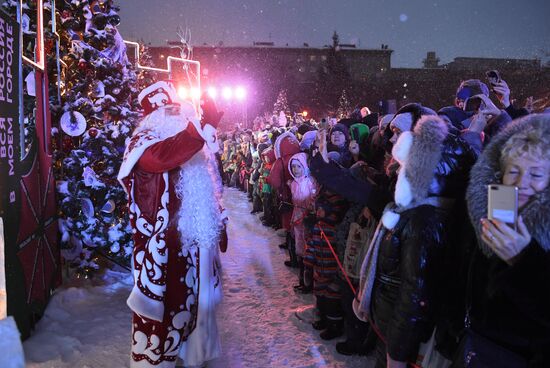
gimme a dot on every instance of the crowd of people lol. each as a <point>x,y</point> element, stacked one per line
<point>386,218</point>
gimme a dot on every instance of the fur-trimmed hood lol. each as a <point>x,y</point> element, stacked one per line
<point>418,153</point>
<point>286,144</point>
<point>434,166</point>
<point>301,157</point>
<point>536,213</point>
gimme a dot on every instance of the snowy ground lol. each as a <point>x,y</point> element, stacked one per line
<point>88,326</point>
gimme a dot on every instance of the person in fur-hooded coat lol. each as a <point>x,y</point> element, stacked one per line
<point>286,145</point>
<point>510,297</point>
<point>404,272</point>
<point>167,171</point>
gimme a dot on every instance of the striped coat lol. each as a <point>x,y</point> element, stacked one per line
<point>318,255</point>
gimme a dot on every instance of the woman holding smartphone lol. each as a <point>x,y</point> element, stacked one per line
<point>509,288</point>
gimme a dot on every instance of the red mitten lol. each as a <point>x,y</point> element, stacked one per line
<point>223,240</point>
<point>210,114</point>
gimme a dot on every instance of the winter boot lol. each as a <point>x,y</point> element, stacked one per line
<point>293,262</point>
<point>301,284</point>
<point>320,324</point>
<point>335,328</point>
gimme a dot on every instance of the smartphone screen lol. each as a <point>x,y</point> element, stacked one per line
<point>503,203</point>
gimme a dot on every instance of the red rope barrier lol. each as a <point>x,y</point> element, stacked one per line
<point>337,260</point>
<point>371,322</point>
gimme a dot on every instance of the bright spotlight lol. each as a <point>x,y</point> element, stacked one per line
<point>195,93</point>
<point>227,93</point>
<point>212,92</point>
<point>304,114</point>
<point>240,93</point>
<point>183,93</point>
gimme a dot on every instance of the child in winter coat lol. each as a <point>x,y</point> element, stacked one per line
<point>268,157</point>
<point>304,189</point>
<point>330,210</point>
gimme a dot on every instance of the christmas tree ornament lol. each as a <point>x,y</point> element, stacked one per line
<point>73,123</point>
<point>99,166</point>
<point>87,207</point>
<point>115,248</point>
<point>93,132</point>
<point>116,91</point>
<point>67,144</point>
<point>82,65</point>
<point>109,206</point>
<point>114,19</point>
<point>90,178</point>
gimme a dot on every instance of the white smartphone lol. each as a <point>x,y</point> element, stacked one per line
<point>503,203</point>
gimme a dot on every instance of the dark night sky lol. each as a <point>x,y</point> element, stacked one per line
<point>452,28</point>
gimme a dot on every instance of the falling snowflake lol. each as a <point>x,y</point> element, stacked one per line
<point>403,17</point>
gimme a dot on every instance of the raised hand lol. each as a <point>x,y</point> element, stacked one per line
<point>506,242</point>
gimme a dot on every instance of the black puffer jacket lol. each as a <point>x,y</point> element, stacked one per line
<point>412,269</point>
<point>410,276</point>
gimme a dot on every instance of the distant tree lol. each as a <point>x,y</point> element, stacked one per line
<point>281,104</point>
<point>344,106</point>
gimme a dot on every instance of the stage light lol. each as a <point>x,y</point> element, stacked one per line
<point>195,93</point>
<point>240,93</point>
<point>227,93</point>
<point>183,93</point>
<point>212,92</point>
<point>304,114</point>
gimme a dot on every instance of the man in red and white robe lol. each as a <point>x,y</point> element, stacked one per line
<point>177,222</point>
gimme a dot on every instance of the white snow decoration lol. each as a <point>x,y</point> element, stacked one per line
<point>11,349</point>
<point>31,83</point>
<point>117,52</point>
<point>74,252</point>
<point>115,248</point>
<point>115,233</point>
<point>98,90</point>
<point>73,125</point>
<point>26,24</point>
<point>90,178</point>
<point>63,187</point>
<point>87,207</point>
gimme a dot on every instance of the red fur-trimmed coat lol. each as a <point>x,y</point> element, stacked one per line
<point>164,303</point>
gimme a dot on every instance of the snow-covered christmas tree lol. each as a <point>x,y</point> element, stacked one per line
<point>96,118</point>
<point>344,106</point>
<point>280,109</point>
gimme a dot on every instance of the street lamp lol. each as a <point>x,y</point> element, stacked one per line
<point>227,93</point>
<point>212,92</point>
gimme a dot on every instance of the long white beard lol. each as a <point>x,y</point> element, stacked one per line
<point>162,125</point>
<point>199,188</point>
